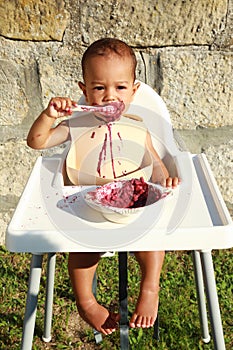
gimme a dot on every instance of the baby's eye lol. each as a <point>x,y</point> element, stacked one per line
<point>98,88</point>
<point>121,87</point>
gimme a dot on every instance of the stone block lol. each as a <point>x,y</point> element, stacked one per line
<point>197,87</point>
<point>224,39</point>
<point>14,104</point>
<point>16,162</point>
<point>19,93</point>
<point>217,144</point>
<point>33,20</point>
<point>60,76</point>
<point>4,221</point>
<point>153,23</point>
<point>221,163</point>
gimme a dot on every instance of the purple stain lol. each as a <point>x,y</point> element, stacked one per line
<point>102,154</point>
<point>93,135</point>
<point>73,200</point>
<point>119,135</point>
<point>111,151</point>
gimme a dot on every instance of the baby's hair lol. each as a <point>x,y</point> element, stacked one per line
<point>107,46</point>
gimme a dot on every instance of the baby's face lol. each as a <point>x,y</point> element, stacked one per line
<point>109,79</point>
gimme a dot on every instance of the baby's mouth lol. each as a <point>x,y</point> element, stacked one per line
<point>110,112</point>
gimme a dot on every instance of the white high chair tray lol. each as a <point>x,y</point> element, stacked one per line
<point>51,217</point>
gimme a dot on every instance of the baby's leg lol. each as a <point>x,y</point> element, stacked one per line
<point>82,267</point>
<point>147,305</point>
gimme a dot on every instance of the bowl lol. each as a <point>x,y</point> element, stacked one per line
<point>124,200</point>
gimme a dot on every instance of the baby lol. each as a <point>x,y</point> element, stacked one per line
<point>108,67</point>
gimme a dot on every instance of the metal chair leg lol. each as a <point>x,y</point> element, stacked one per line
<point>124,337</point>
<point>31,303</point>
<point>201,296</point>
<point>123,300</point>
<point>156,329</point>
<point>49,297</point>
<point>212,300</point>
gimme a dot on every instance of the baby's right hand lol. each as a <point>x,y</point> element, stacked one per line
<point>59,107</point>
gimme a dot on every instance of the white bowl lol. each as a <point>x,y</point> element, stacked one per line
<point>96,200</point>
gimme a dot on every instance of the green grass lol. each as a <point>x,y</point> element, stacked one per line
<point>179,320</point>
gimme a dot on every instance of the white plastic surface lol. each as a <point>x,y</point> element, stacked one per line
<point>51,217</point>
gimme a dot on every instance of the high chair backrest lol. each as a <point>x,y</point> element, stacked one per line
<point>148,104</point>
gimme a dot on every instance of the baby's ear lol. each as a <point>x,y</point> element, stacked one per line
<point>135,87</point>
<point>83,88</point>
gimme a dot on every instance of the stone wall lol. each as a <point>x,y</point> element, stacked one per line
<point>184,51</point>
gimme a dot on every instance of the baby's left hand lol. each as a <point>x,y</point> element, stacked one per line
<point>172,182</point>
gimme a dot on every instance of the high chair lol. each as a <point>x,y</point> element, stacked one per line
<point>51,217</point>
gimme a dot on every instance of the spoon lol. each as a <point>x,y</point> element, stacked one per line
<point>111,111</point>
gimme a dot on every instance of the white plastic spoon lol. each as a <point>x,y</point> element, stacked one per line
<point>112,110</point>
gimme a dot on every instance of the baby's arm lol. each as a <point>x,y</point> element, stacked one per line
<point>42,134</point>
<point>160,173</point>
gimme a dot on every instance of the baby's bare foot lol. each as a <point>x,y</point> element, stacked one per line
<point>98,316</point>
<point>146,310</point>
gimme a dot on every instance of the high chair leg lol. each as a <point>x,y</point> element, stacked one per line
<point>31,303</point>
<point>212,300</point>
<point>123,304</point>
<point>201,296</point>
<point>123,300</point>
<point>49,297</point>
<point>156,328</point>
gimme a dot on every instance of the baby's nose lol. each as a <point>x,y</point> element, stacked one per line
<point>109,96</point>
